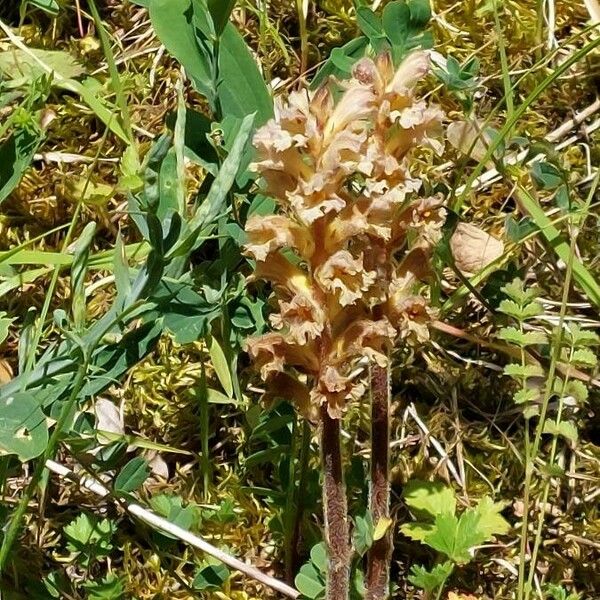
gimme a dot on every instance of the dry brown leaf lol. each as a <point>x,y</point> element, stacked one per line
<point>108,419</point>
<point>473,249</point>
<point>459,596</point>
<point>6,373</point>
<point>469,138</point>
<point>593,7</point>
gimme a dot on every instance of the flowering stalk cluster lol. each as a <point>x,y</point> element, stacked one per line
<point>346,250</point>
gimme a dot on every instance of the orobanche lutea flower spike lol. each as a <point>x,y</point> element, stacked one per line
<point>344,253</point>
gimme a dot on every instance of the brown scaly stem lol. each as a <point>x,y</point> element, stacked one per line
<point>335,508</point>
<point>378,557</point>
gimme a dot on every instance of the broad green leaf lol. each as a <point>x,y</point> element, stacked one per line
<point>310,583</point>
<point>363,534</point>
<point>221,366</point>
<point>369,23</point>
<point>16,154</point>
<point>354,49</point>
<point>220,11</point>
<point>520,294</point>
<point>173,22</point>
<point>427,499</point>
<point>430,580</point>
<point>16,63</point>
<point>171,507</point>
<point>210,576</point>
<point>132,475</point>
<point>318,556</point>
<point>23,429</point>
<point>241,89</point>
<point>49,6</point>
<point>546,175</point>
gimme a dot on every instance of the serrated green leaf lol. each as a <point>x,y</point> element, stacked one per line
<point>577,390</point>
<point>109,588</point>
<point>427,499</point>
<point>523,371</point>
<point>564,429</point>
<point>522,338</point>
<point>491,522</point>
<point>584,358</point>
<point>417,531</point>
<point>581,337</point>
<point>521,312</point>
<point>132,475</point>
<point>517,291</point>
<point>430,580</point>
<point>526,395</point>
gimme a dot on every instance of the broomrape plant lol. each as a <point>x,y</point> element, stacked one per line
<point>345,255</point>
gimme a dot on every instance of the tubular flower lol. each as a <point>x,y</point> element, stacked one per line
<point>351,240</point>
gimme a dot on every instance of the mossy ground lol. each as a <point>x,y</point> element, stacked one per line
<point>456,386</point>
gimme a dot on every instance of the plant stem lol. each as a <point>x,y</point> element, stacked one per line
<point>335,509</point>
<point>14,526</point>
<point>299,500</point>
<point>378,558</point>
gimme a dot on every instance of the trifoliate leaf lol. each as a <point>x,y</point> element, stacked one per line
<point>211,575</point>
